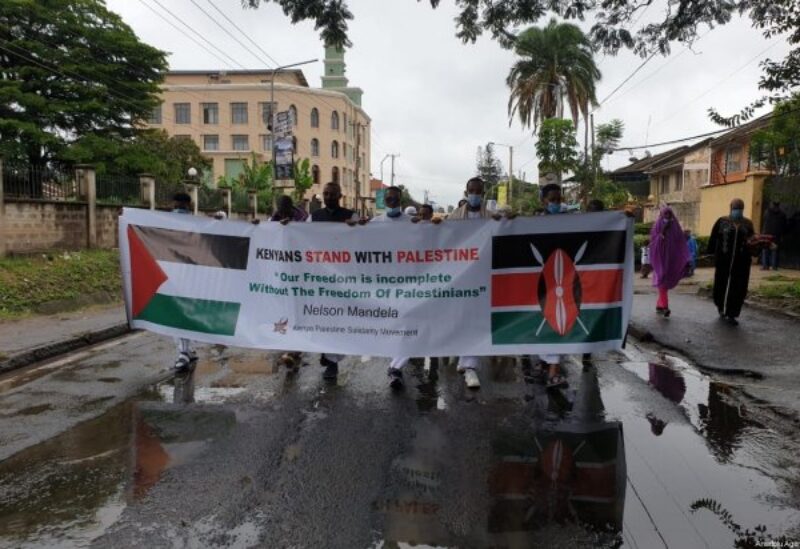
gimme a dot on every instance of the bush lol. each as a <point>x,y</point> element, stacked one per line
<point>642,228</point>
<point>702,245</point>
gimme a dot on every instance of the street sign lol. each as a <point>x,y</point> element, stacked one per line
<point>284,159</point>
<point>283,124</point>
<point>379,199</point>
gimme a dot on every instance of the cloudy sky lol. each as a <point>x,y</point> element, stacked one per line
<point>434,100</point>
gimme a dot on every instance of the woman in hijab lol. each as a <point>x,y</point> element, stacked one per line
<point>669,256</point>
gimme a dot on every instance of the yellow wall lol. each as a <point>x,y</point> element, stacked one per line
<point>715,201</point>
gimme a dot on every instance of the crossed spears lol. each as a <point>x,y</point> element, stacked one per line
<point>561,310</point>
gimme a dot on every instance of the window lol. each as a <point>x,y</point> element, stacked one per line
<point>210,113</point>
<point>733,159</point>
<point>315,174</point>
<point>335,174</point>
<point>238,113</point>
<point>293,115</point>
<point>266,112</point>
<point>183,113</point>
<point>335,149</point>
<point>155,116</point>
<point>315,147</point>
<point>679,181</point>
<point>346,127</point>
<point>664,186</point>
<point>210,142</point>
<point>266,143</point>
<point>314,118</point>
<point>240,143</point>
<point>335,121</point>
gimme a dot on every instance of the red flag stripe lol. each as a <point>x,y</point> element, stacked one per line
<point>521,289</point>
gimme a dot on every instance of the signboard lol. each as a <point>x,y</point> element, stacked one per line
<point>556,284</point>
<point>283,124</point>
<point>380,194</point>
<point>502,195</point>
<point>284,159</point>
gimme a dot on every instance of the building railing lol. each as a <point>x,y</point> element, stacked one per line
<point>122,190</point>
<point>40,183</point>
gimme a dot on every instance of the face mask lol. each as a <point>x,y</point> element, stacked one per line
<point>553,208</point>
<point>737,214</point>
<point>474,200</point>
<point>394,212</point>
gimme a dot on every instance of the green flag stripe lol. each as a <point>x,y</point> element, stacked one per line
<point>196,315</point>
<point>519,327</point>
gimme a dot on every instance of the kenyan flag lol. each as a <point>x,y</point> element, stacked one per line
<point>558,287</point>
<point>154,298</point>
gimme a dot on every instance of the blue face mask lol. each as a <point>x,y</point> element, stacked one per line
<point>394,212</point>
<point>553,208</point>
<point>474,200</point>
<point>737,214</point>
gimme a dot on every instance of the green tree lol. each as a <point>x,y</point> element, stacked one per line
<point>557,147</point>
<point>488,166</point>
<point>680,22</point>
<point>777,147</point>
<point>556,63</point>
<point>148,151</point>
<point>589,171</point>
<point>70,68</point>
<point>302,179</point>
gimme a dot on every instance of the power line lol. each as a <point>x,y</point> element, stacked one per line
<point>631,75</point>
<point>709,134</point>
<point>223,14</point>
<point>226,31</point>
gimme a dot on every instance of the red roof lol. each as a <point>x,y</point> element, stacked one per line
<point>376,184</point>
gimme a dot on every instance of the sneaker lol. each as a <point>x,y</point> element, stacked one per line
<point>331,370</point>
<point>395,379</point>
<point>184,361</point>
<point>732,321</point>
<point>471,378</point>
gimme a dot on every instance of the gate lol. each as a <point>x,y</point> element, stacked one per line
<point>786,190</point>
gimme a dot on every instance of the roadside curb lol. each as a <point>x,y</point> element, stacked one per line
<point>645,336</point>
<point>757,305</point>
<point>51,350</point>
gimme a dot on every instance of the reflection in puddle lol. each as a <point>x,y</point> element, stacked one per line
<point>69,490</point>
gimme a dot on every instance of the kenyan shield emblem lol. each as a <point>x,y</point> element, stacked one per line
<point>560,290</point>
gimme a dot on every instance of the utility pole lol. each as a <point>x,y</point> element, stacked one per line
<point>393,157</point>
<point>594,166</point>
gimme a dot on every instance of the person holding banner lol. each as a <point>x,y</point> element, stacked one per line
<point>182,204</point>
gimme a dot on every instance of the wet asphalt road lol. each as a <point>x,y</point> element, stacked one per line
<point>642,450</point>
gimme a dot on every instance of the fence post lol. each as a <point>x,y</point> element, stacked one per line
<point>192,189</point>
<point>85,175</point>
<point>253,199</point>
<point>148,184</point>
<point>227,199</point>
<point>2,214</point>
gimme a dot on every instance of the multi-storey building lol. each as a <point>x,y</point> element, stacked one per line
<point>227,112</point>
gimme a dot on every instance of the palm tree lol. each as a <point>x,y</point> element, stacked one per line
<point>555,62</point>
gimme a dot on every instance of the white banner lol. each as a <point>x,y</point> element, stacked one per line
<point>552,284</point>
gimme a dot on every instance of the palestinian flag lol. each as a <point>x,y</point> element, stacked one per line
<point>155,298</point>
<point>558,287</point>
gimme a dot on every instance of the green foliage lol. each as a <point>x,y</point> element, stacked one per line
<point>607,137</point>
<point>302,179</point>
<point>28,282</point>
<point>557,147</point>
<point>406,199</point>
<point>744,537</point>
<point>642,228</point>
<point>777,147</point>
<point>612,194</point>
<point>488,166</point>
<point>147,151</point>
<point>58,80</point>
<point>556,62</point>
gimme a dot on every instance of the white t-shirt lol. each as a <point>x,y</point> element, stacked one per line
<point>473,215</point>
<point>383,218</point>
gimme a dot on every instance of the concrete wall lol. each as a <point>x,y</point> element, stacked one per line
<point>716,199</point>
<point>29,226</point>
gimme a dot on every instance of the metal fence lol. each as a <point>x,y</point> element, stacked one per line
<point>165,191</point>
<point>40,183</point>
<point>210,199</point>
<point>119,190</point>
<point>240,202</point>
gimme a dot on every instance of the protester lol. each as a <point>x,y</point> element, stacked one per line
<point>426,212</point>
<point>187,357</point>
<point>472,208</point>
<point>669,256</point>
<point>395,214</point>
<point>729,244</point>
<point>647,268</point>
<point>775,225</point>
<point>286,211</point>
<point>691,244</point>
<point>551,200</point>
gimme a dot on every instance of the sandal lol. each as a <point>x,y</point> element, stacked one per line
<point>556,381</point>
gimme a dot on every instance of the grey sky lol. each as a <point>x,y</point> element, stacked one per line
<point>434,100</point>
